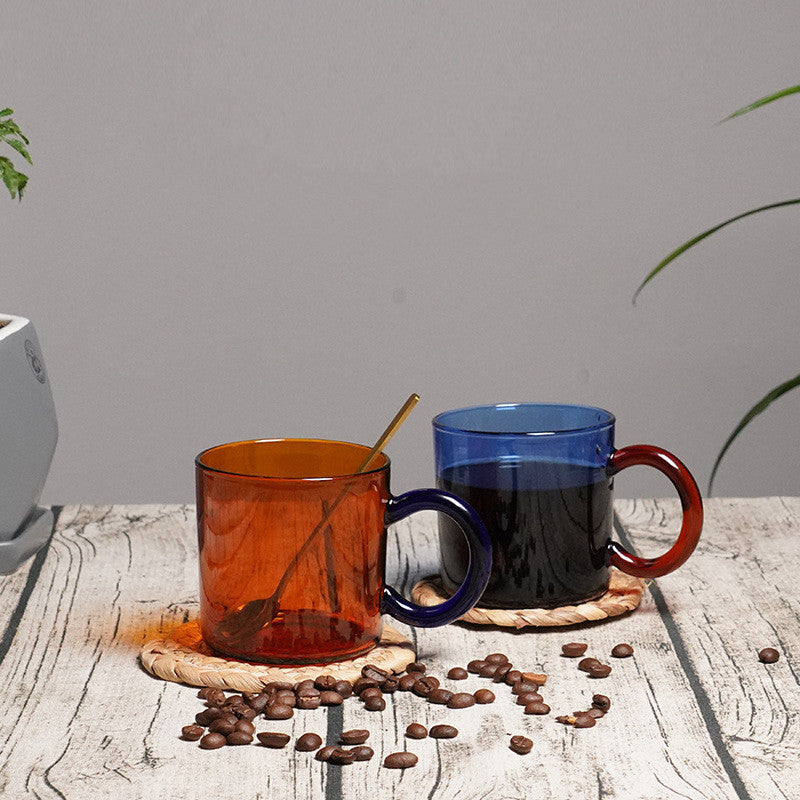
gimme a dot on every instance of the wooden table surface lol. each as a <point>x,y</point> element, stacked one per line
<point>694,715</point>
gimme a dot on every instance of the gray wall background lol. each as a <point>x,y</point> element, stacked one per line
<point>280,218</point>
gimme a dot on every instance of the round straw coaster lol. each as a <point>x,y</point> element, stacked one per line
<point>182,656</point>
<point>624,594</point>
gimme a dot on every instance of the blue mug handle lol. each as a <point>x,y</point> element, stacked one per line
<point>478,569</point>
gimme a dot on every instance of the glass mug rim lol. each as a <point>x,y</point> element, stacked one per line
<point>442,423</point>
<point>383,465</point>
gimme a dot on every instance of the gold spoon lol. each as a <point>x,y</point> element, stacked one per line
<point>246,621</point>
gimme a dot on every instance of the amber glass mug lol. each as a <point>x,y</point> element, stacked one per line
<point>292,546</point>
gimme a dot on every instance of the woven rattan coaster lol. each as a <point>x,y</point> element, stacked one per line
<point>182,656</point>
<point>624,594</point>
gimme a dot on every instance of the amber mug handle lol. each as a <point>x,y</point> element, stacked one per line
<point>691,502</point>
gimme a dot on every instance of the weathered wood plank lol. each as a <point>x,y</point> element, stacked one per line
<point>695,714</point>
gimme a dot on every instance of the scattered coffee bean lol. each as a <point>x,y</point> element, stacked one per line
<point>584,720</point>
<point>390,685</point>
<point>416,731</point>
<point>279,686</point>
<point>526,698</point>
<point>302,687</point>
<point>324,753</point>
<point>597,713</point>
<point>237,738</point>
<point>364,683</point>
<point>521,745</point>
<point>769,655</point>
<point>245,726</point>
<point>401,760</point>
<point>273,739</point>
<point>475,666</point>
<point>354,736</point>
<point>374,672</point>
<point>203,693</point>
<point>329,698</point>
<point>224,725</point>
<point>323,682</point>
<point>215,697</point>
<point>488,670</point>
<point>285,697</point>
<point>345,689</point>
<point>457,674</point>
<point>601,701</point>
<point>206,717</point>
<point>501,672</point>
<point>416,666</point>
<point>278,711</point>
<point>573,649</point>
<point>308,702</point>
<point>512,676</point>
<point>306,691</point>
<point>362,752</point>
<point>406,682</point>
<point>621,650</point>
<point>484,696</point>
<point>191,733</point>
<point>375,703</point>
<point>443,732</point>
<point>585,664</point>
<point>599,671</point>
<point>424,686</point>
<point>341,756</point>
<point>524,686</point>
<point>245,712</point>
<point>461,700</point>
<point>212,741</point>
<point>539,678</point>
<point>370,691</point>
<point>537,707</point>
<point>497,658</point>
<point>259,702</point>
<point>440,696</point>
<point>308,742</point>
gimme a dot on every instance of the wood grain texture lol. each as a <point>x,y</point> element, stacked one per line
<point>694,715</point>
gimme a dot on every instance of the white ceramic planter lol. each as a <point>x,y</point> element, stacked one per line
<point>28,435</point>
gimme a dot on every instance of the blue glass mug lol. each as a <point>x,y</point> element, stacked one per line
<point>541,478</point>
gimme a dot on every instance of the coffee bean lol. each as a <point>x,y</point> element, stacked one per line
<point>424,686</point>
<point>308,742</point>
<point>596,713</point>
<point>302,687</point>
<point>203,693</point>
<point>244,712</point>
<point>457,674</point>
<point>324,753</point>
<point>585,664</point>
<point>521,745</point>
<point>416,731</point>
<point>401,760</point>
<point>370,691</point>
<point>375,704</point>
<point>273,739</point>
<point>501,672</point>
<point>389,686</point>
<point>406,682</point>
<point>512,676</point>
<point>329,698</point>
<point>258,702</point>
<point>279,686</point>
<point>497,658</point>
<point>599,671</point>
<point>416,666</point>
<point>245,726</point>
<point>537,707</point>
<point>278,711</point>
<point>539,678</point>
<point>584,721</point>
<point>443,732</point>
<point>573,649</point>
<point>354,736</point>
<point>305,690</point>
<point>308,702</point>
<point>484,696</point>
<point>207,716</point>
<point>345,689</point>
<point>215,697</point>
<point>212,741</point>
<point>461,700</point>
<point>322,682</point>
<point>362,753</point>
<point>363,683</point>
<point>488,670</point>
<point>526,698</point>
<point>223,725</point>
<point>601,701</point>
<point>524,686</point>
<point>374,672</point>
<point>237,738</point>
<point>285,697</point>
<point>440,696</point>
<point>475,666</point>
<point>621,650</point>
<point>341,756</point>
<point>191,733</point>
<point>769,655</point>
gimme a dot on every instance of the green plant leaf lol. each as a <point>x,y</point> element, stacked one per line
<point>760,406</point>
<point>15,181</point>
<point>6,112</point>
<point>763,101</point>
<point>20,148</point>
<point>699,238</point>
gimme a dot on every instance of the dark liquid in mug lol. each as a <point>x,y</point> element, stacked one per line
<point>549,523</point>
